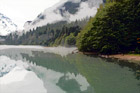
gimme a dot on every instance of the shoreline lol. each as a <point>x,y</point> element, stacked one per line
<point>131,58</point>
<point>128,57</point>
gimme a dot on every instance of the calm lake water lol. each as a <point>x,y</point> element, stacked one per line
<point>35,69</point>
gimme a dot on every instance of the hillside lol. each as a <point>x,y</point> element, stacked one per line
<point>65,10</point>
<point>6,25</point>
<point>60,33</point>
<point>58,25</point>
<point>114,29</point>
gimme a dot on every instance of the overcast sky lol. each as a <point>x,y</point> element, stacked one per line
<point>21,11</point>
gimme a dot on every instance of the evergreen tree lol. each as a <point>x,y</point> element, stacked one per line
<point>114,29</point>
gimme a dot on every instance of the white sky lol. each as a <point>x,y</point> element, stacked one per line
<point>21,11</point>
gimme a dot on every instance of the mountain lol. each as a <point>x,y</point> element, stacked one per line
<point>6,25</point>
<point>65,10</point>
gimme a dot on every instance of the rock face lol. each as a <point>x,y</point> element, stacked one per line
<point>6,25</point>
<point>65,10</point>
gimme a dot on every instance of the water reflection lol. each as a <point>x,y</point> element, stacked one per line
<point>50,68</point>
<point>56,82</point>
<point>77,73</point>
<point>14,78</point>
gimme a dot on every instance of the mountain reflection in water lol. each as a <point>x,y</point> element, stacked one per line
<point>45,70</point>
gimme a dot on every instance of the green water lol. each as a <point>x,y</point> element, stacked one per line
<point>78,73</point>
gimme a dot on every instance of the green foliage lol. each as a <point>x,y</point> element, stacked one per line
<point>137,51</point>
<point>49,35</point>
<point>114,29</point>
<point>70,40</point>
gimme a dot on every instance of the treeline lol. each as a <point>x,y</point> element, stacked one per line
<point>114,29</point>
<point>60,33</point>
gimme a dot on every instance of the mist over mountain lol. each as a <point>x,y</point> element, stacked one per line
<point>6,25</point>
<point>65,10</point>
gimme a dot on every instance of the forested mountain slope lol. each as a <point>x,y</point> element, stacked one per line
<point>60,33</point>
<point>65,10</point>
<point>114,29</point>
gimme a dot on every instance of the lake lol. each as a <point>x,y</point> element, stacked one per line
<point>36,69</point>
